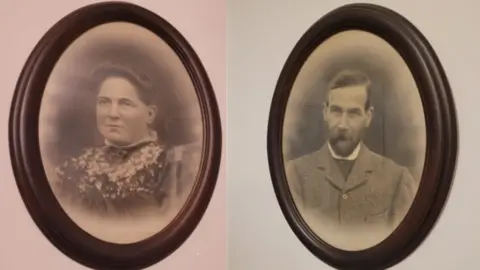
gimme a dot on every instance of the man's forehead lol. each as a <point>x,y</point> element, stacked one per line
<point>349,93</point>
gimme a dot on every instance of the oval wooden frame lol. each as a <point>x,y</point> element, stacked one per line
<point>25,154</point>
<point>441,123</point>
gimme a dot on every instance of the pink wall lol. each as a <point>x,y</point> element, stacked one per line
<point>203,24</point>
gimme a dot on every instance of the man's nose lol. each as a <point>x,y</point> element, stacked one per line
<point>343,124</point>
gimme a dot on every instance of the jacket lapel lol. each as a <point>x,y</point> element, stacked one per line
<point>359,175</point>
<point>362,169</point>
<point>326,164</point>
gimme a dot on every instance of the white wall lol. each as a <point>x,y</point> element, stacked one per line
<point>261,34</point>
<point>22,23</point>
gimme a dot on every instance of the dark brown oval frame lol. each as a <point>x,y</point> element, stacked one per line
<point>441,123</point>
<point>25,153</point>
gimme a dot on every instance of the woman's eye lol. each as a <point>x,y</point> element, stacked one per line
<point>127,103</point>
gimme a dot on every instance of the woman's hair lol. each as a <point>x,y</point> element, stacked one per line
<point>148,93</point>
<point>140,80</point>
<point>143,84</point>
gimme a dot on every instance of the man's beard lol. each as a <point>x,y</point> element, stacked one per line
<point>343,145</point>
<point>339,138</point>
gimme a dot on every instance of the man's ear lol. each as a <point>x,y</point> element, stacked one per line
<point>325,110</point>
<point>369,114</point>
<point>152,113</point>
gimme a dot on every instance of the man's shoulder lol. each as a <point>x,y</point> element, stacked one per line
<point>310,158</point>
<point>385,164</point>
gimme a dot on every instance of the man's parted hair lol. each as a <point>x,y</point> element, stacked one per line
<point>350,77</point>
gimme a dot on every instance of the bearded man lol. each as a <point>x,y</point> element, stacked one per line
<point>344,183</point>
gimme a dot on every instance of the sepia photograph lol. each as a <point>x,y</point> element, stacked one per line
<point>115,136</point>
<point>354,140</point>
<point>120,132</point>
<point>357,138</point>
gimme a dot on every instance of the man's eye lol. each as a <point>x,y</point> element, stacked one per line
<point>335,110</point>
<point>354,112</point>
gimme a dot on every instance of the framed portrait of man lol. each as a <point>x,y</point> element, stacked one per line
<point>362,137</point>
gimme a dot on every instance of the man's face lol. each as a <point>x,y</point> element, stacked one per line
<point>122,117</point>
<point>347,118</point>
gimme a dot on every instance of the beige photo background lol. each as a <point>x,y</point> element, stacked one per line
<point>23,245</point>
<point>261,35</point>
<point>398,127</point>
<point>67,121</point>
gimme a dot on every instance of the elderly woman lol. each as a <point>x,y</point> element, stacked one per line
<point>134,168</point>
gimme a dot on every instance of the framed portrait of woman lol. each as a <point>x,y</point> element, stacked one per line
<point>115,136</point>
<point>362,138</point>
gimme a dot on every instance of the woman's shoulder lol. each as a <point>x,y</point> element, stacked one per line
<point>151,151</point>
<point>80,158</point>
<point>183,152</point>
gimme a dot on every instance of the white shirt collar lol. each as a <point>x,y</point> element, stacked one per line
<point>352,156</point>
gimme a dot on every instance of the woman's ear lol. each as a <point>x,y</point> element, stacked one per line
<point>152,113</point>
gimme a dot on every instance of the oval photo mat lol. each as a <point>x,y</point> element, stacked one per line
<point>362,138</point>
<point>115,136</point>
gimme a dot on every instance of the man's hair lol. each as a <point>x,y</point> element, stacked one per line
<point>350,77</point>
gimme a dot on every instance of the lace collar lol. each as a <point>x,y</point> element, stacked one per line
<point>151,137</point>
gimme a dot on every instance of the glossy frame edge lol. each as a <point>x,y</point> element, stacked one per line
<point>25,157</point>
<point>441,123</point>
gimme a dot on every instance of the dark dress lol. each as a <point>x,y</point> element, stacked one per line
<point>108,179</point>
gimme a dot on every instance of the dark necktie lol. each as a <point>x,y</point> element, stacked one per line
<point>345,166</point>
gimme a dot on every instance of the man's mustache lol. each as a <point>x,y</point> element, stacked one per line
<point>340,137</point>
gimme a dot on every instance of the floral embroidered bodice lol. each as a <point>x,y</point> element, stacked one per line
<point>109,178</point>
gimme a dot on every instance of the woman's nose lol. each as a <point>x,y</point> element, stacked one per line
<point>113,111</point>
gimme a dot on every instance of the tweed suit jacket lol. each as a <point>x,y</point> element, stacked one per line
<point>377,192</point>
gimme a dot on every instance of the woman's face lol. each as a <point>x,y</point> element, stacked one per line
<point>122,117</point>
